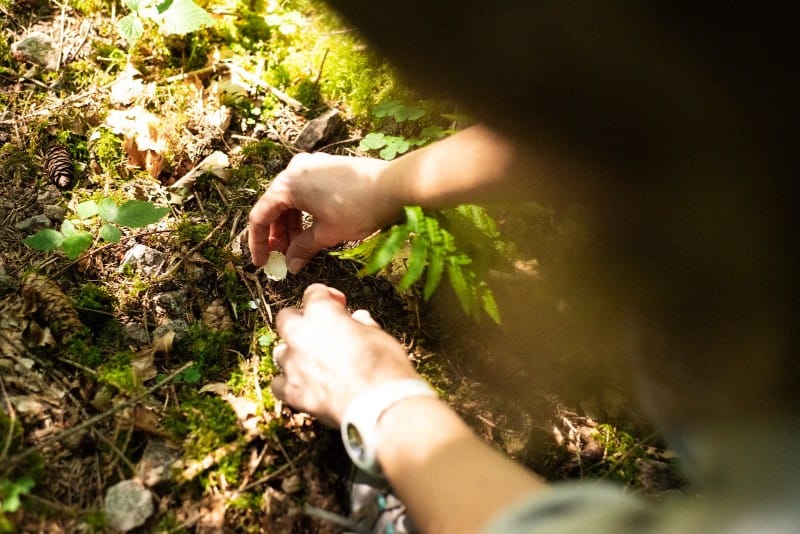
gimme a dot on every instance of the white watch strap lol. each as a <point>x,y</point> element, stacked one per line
<point>359,422</point>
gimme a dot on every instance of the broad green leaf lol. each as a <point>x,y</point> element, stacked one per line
<point>387,251</point>
<point>434,276</point>
<point>130,27</point>
<point>265,340</point>
<point>108,210</point>
<point>46,239</point>
<point>416,264</point>
<point>110,233</point>
<point>394,145</point>
<point>133,5</point>
<point>68,228</point>
<point>373,141</point>
<point>183,16</point>
<point>139,213</point>
<point>400,111</point>
<point>74,245</point>
<point>86,210</point>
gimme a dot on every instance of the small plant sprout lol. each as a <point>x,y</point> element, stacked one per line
<point>171,16</point>
<point>73,238</point>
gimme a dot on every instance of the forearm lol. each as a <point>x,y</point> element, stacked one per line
<point>472,166</point>
<point>449,479</point>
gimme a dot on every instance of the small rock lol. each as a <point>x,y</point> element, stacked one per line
<point>319,129</point>
<point>156,463</point>
<point>172,304</point>
<point>148,260</point>
<point>36,222</point>
<point>37,48</point>
<point>49,195</point>
<point>54,212</point>
<point>179,326</point>
<point>135,334</point>
<point>128,505</point>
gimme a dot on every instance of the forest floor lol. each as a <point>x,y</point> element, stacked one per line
<point>146,361</point>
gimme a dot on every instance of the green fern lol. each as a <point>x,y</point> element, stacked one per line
<point>460,242</point>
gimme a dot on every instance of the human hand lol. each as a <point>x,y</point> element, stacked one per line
<point>344,194</point>
<point>331,356</point>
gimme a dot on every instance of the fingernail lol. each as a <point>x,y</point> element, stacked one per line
<point>295,265</point>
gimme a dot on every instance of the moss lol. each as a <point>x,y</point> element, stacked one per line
<point>117,371</point>
<point>95,306</point>
<point>78,75</point>
<point>210,350</point>
<point>81,350</point>
<point>203,423</point>
<point>192,231</point>
<point>622,451</point>
<point>18,165</point>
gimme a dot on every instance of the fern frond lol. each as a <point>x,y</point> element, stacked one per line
<point>435,270</point>
<point>488,303</point>
<point>417,261</point>
<point>385,253</point>
<point>462,281</point>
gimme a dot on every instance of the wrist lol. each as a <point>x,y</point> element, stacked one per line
<point>359,425</point>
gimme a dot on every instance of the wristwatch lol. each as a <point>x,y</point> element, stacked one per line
<point>359,427</point>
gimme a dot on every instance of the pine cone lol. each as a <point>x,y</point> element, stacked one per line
<point>58,164</point>
<point>43,296</point>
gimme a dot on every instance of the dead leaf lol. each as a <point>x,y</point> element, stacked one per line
<point>163,344</point>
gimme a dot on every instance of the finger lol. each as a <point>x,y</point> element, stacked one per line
<point>278,387</point>
<point>277,234</point>
<point>321,297</point>
<point>303,247</point>
<point>262,215</point>
<point>287,322</point>
<point>294,224</point>
<point>363,317</point>
<point>278,354</point>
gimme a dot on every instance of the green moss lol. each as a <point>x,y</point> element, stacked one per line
<point>18,165</point>
<point>193,232</point>
<point>210,350</point>
<point>95,306</point>
<point>203,423</point>
<point>81,350</point>
<point>118,372</point>
<point>622,451</point>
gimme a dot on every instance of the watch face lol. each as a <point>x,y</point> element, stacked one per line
<point>355,440</point>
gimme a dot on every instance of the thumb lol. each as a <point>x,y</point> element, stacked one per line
<point>302,248</point>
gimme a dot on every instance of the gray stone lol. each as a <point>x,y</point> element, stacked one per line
<point>128,505</point>
<point>179,326</point>
<point>37,48</point>
<point>172,304</point>
<point>157,460</point>
<point>147,260</point>
<point>36,222</point>
<point>54,212</point>
<point>320,129</point>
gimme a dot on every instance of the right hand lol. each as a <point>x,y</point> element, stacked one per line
<point>344,194</point>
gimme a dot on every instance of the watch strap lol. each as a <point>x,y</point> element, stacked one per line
<point>359,428</point>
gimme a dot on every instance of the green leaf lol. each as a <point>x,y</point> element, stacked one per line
<point>108,210</point>
<point>387,251</point>
<point>460,281</point>
<point>395,145</point>
<point>414,217</point>
<point>133,5</point>
<point>488,302</point>
<point>373,141</point>
<point>265,340</point>
<point>416,264</point>
<point>68,228</point>
<point>434,276</point>
<point>45,239</point>
<point>399,111</point>
<point>86,210</point>
<point>110,233</point>
<point>74,245</point>
<point>139,213</point>
<point>183,16</point>
<point>130,27</point>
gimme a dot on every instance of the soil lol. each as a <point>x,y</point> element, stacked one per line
<point>77,433</point>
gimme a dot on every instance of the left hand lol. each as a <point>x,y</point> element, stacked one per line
<point>331,356</point>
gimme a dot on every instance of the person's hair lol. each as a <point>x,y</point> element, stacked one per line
<point>687,110</point>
